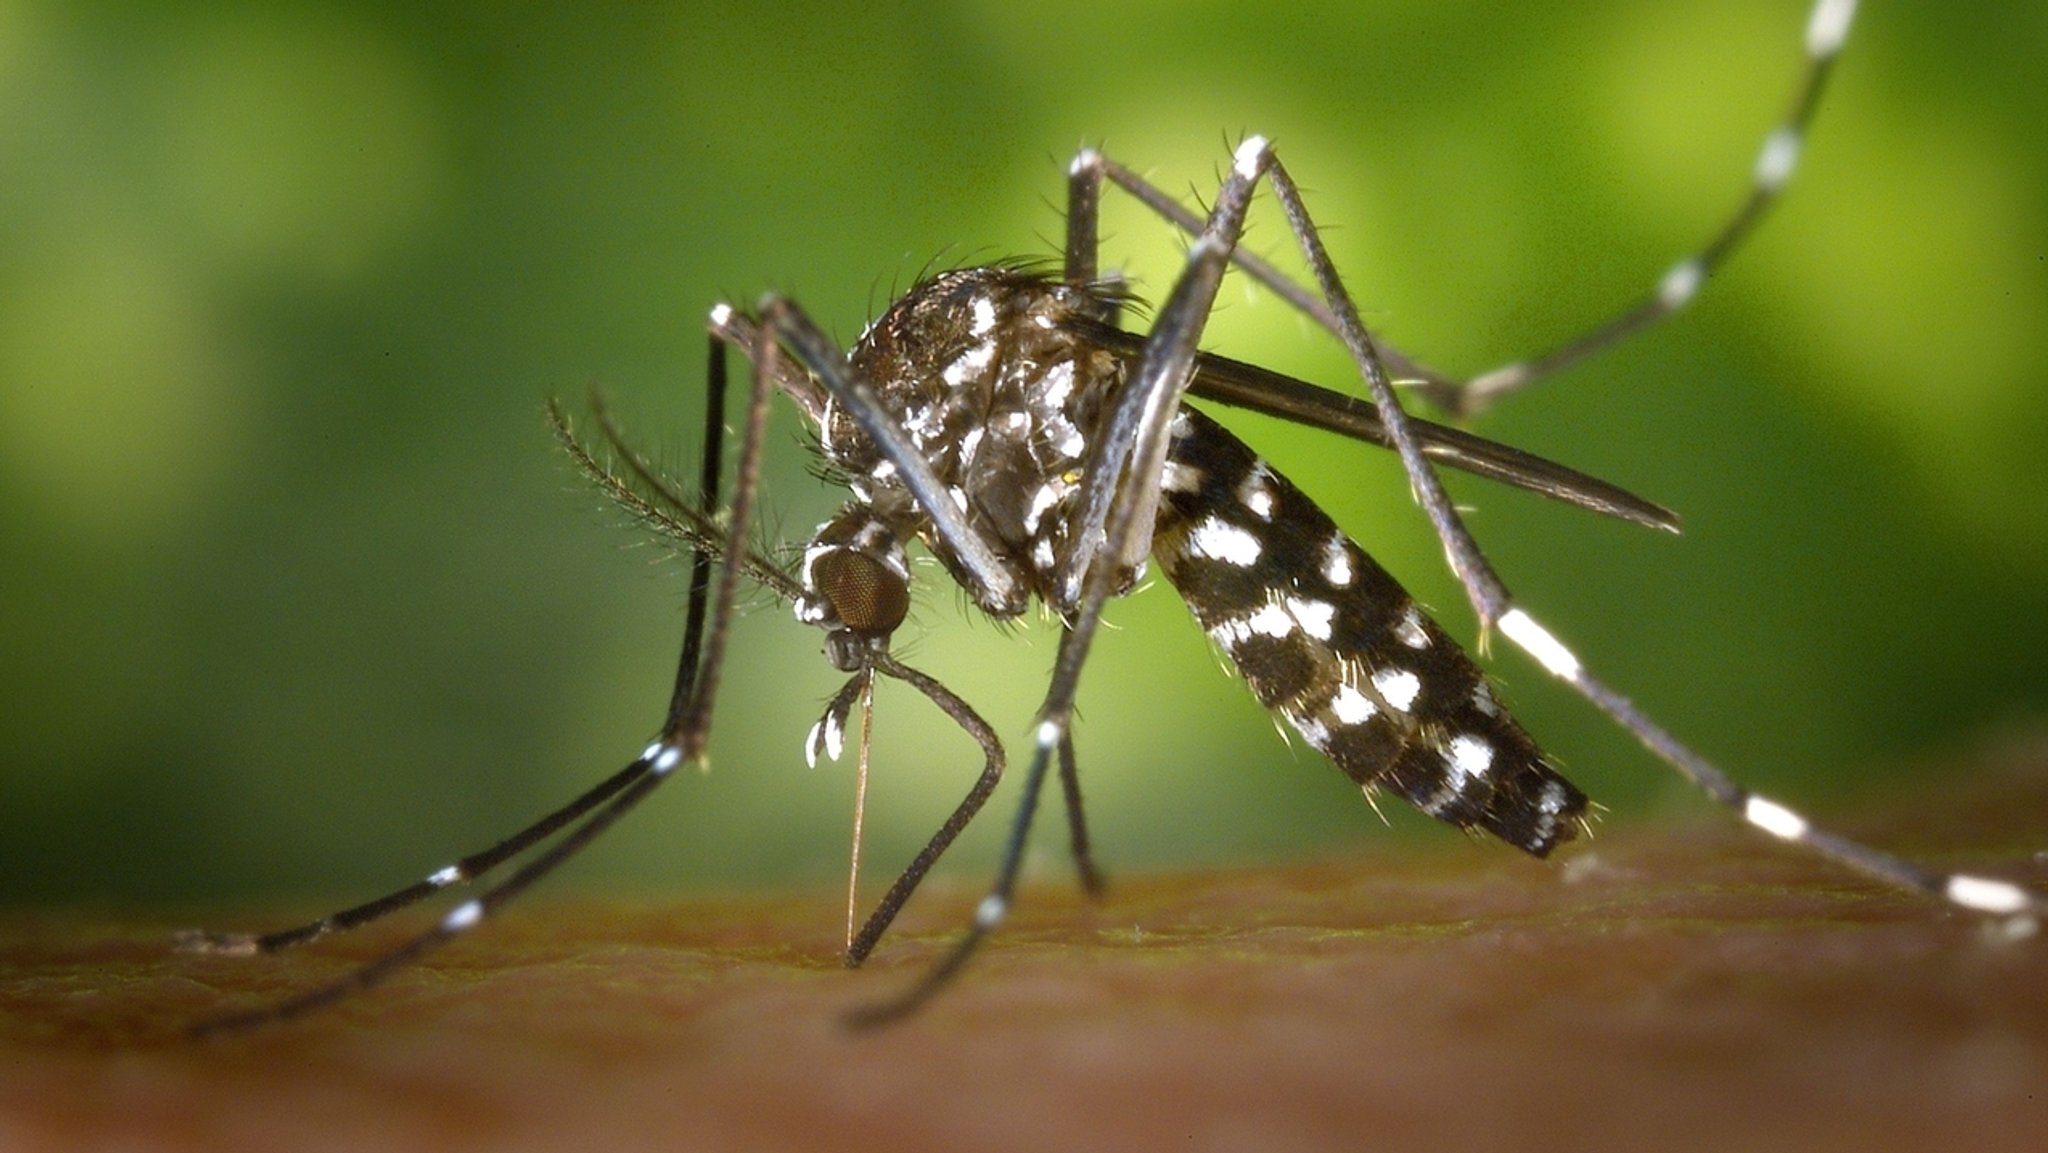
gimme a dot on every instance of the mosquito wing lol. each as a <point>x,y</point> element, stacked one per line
<point>1241,385</point>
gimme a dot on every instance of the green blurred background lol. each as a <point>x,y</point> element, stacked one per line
<point>300,600</point>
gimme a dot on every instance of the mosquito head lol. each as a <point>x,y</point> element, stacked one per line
<point>856,586</point>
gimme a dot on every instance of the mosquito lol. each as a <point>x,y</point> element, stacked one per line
<point>1002,419</point>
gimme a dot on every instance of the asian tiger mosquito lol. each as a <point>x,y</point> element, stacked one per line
<point>1000,416</point>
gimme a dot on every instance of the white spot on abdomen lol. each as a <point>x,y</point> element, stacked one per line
<point>1180,477</point>
<point>1410,631</point>
<point>1469,756</point>
<point>1351,706</point>
<point>1315,617</point>
<point>1221,540</point>
<point>1255,492</point>
<point>1272,621</point>
<point>1397,687</point>
<point>1337,562</point>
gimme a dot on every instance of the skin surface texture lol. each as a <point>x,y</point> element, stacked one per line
<point>1686,986</point>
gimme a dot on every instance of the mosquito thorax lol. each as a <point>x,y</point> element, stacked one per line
<point>993,376</point>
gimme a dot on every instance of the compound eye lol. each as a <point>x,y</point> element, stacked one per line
<point>867,596</point>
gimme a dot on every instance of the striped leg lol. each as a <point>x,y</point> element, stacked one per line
<point>683,738</point>
<point>1827,28</point>
<point>993,761</point>
<point>661,512</point>
<point>1496,608</point>
<point>1988,895</point>
<point>461,872</point>
<point>1113,522</point>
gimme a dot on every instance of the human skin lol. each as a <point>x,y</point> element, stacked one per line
<point>1687,986</point>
